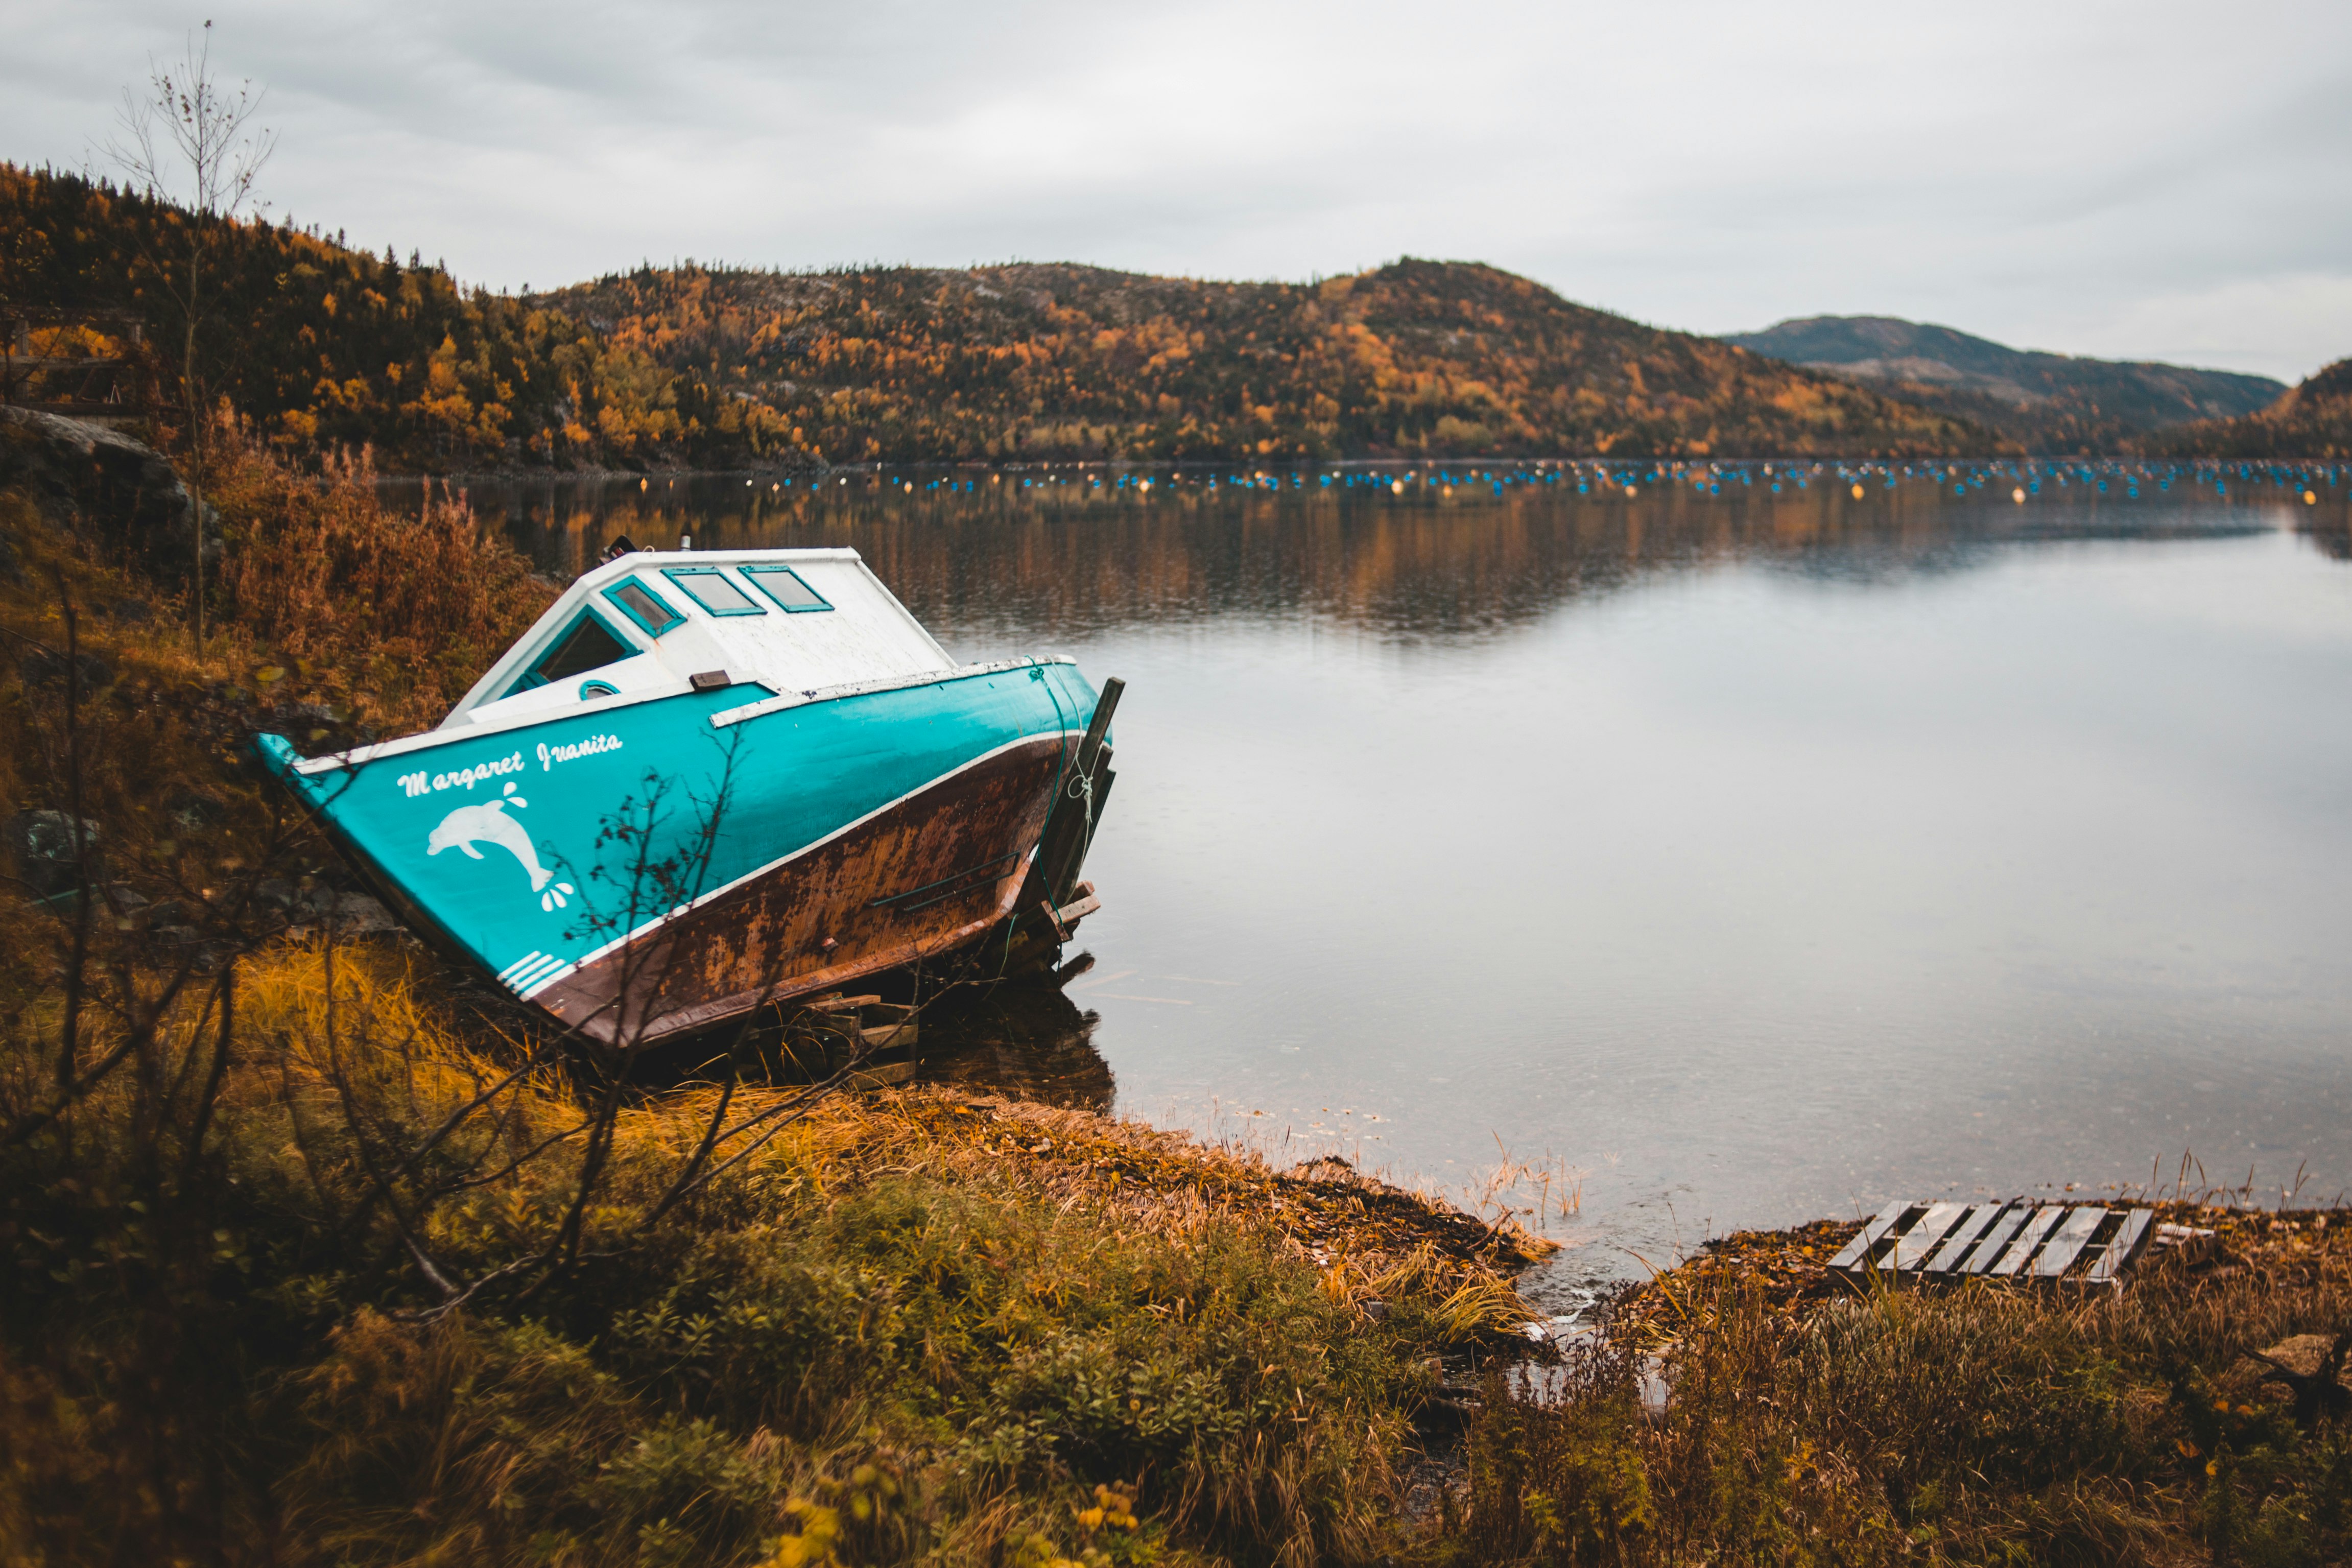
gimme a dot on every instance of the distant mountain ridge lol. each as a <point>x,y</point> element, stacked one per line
<point>1416,359</point>
<point>321,345</point>
<point>2046,402</point>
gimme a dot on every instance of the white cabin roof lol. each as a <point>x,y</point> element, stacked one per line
<point>859,633</point>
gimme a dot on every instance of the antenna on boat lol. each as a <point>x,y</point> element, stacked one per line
<point>619,547</point>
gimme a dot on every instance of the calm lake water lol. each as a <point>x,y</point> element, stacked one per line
<point>1734,858</point>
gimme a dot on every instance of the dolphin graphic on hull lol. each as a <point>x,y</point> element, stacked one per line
<point>489,824</point>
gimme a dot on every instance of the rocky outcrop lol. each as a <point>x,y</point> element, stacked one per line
<point>118,494</point>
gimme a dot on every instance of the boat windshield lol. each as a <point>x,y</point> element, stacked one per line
<point>587,644</point>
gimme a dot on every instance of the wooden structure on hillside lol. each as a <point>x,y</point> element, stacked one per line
<point>106,388</point>
<point>1910,1242</point>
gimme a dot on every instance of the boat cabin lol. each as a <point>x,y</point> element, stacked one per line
<point>660,623</point>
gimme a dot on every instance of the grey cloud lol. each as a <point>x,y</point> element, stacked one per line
<point>2097,177</point>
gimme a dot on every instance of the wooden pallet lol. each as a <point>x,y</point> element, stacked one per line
<point>857,1032</point>
<point>1909,1242</point>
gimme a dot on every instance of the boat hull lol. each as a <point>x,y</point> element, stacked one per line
<point>645,871</point>
<point>923,877</point>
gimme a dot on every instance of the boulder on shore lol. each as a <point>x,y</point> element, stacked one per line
<point>98,483</point>
<point>46,854</point>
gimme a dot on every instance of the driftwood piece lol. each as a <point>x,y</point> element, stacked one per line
<point>2124,1250</point>
<point>2067,1244</point>
<point>1857,1253</point>
<point>1963,1236</point>
<point>1996,1239</point>
<point>1912,1250</point>
<point>2034,1232</point>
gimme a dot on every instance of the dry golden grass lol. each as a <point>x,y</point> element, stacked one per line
<point>1363,1235</point>
<point>917,1325</point>
<point>408,611</point>
<point>1986,1423</point>
<point>1788,1270</point>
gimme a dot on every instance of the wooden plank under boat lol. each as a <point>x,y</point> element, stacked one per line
<point>706,781</point>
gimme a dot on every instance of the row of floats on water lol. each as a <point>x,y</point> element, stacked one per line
<point>2025,480</point>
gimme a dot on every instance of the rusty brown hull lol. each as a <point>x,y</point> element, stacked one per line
<point>925,876</point>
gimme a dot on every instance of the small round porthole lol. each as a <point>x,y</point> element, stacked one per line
<point>593,688</point>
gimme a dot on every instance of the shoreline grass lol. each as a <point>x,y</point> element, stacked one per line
<point>920,1325</point>
<point>1746,1407</point>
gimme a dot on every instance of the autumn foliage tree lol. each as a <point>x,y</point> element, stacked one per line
<point>324,344</point>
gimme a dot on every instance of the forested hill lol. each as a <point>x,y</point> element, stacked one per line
<point>320,344</point>
<point>2313,420</point>
<point>1415,358</point>
<point>2049,403</point>
<point>323,345</point>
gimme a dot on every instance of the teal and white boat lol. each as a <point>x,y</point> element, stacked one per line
<point>709,781</point>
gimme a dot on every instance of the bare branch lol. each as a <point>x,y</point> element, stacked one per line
<point>187,126</point>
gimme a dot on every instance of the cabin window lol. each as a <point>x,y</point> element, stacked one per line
<point>644,607</point>
<point>714,591</point>
<point>783,584</point>
<point>586,644</point>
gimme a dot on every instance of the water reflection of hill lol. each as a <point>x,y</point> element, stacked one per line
<point>1063,560</point>
<point>2333,538</point>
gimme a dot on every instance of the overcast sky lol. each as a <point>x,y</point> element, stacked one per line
<point>2156,180</point>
